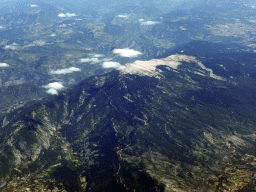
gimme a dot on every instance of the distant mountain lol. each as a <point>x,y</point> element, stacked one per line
<point>85,5</point>
<point>27,6</point>
<point>181,123</point>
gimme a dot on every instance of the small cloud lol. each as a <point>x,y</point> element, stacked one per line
<point>4,65</point>
<point>141,20</point>
<point>39,42</point>
<point>85,60</point>
<point>67,15</point>
<point>183,28</point>
<point>1,27</point>
<point>150,23</point>
<point>52,91</point>
<point>53,88</point>
<point>53,35</point>
<point>90,60</point>
<point>94,58</point>
<point>122,16</point>
<point>63,25</point>
<point>12,46</point>
<point>55,85</point>
<point>98,55</point>
<point>111,64</point>
<point>34,6</point>
<point>126,52</point>
<point>62,15</point>
<point>65,71</point>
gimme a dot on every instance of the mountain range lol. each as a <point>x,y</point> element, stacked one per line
<point>185,122</point>
<point>128,95</point>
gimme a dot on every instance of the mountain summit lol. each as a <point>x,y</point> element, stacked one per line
<point>182,123</point>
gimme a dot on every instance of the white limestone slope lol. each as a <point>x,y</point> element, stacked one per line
<point>148,68</point>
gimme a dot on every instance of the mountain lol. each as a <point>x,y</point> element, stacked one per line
<point>181,123</point>
<point>85,5</point>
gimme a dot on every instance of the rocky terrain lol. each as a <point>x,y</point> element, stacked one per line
<point>128,96</point>
<point>183,123</point>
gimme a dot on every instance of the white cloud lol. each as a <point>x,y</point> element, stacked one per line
<point>65,71</point>
<point>94,58</point>
<point>183,28</point>
<point>12,46</point>
<point>4,65</point>
<point>111,64</point>
<point>52,91</point>
<point>90,60</point>
<point>53,35</point>
<point>67,15</point>
<point>62,15</point>
<point>143,22</point>
<point>85,60</point>
<point>63,25</point>
<point>122,16</point>
<point>127,52</point>
<point>34,6</point>
<point>55,85</point>
<point>53,88</point>
<point>150,23</point>
<point>1,27</point>
<point>39,42</point>
<point>98,55</point>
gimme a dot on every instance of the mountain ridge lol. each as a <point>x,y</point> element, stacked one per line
<point>178,130</point>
